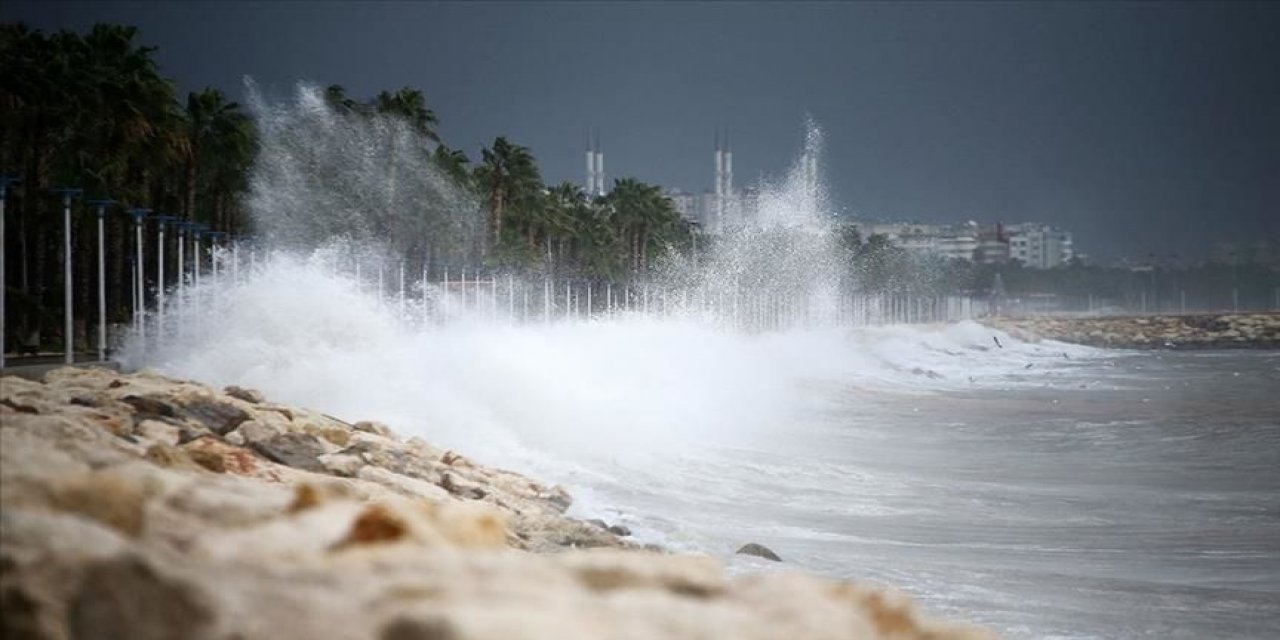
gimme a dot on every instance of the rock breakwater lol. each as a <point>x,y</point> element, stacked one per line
<point>143,507</point>
<point>1199,331</point>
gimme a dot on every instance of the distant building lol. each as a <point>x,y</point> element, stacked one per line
<point>954,242</point>
<point>993,245</point>
<point>1040,246</point>
<point>1035,245</point>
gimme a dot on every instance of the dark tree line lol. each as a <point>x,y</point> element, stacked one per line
<point>93,111</point>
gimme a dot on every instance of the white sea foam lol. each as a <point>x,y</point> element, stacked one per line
<point>603,388</point>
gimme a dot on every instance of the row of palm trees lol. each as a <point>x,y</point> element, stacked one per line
<point>92,111</point>
<point>532,225</point>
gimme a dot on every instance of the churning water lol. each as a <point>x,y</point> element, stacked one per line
<point>1045,490</point>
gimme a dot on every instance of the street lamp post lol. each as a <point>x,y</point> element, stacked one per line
<point>181,228</point>
<point>161,221</point>
<point>139,285</point>
<point>214,237</point>
<point>197,232</point>
<point>101,206</point>
<point>68,339</point>
<point>5,180</point>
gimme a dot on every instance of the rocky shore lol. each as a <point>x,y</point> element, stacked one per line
<point>1199,331</point>
<point>143,507</point>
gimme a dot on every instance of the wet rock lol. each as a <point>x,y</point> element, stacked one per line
<point>377,428</point>
<point>252,431</point>
<point>558,498</point>
<point>394,459</point>
<point>297,450</point>
<point>338,436</point>
<point>217,416</point>
<point>221,457</point>
<point>759,551</point>
<point>128,597</point>
<point>418,629</point>
<point>18,407</point>
<point>342,464</point>
<point>150,407</point>
<point>468,491</point>
<point>252,396</point>
<point>619,530</point>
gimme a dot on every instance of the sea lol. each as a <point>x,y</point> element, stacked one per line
<point>1041,489</point>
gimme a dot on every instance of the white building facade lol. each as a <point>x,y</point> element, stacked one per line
<point>1040,246</point>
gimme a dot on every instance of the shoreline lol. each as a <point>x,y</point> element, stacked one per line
<point>1197,331</point>
<point>136,505</point>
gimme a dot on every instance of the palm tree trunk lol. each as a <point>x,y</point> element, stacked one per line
<point>189,199</point>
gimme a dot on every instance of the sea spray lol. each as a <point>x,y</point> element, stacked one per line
<point>343,202</point>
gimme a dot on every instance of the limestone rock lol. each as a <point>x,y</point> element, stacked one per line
<point>128,597</point>
<point>297,450</point>
<point>104,537</point>
<point>759,551</point>
<point>252,396</point>
<point>369,426</point>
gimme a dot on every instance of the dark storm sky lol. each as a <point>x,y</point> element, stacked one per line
<point>1142,127</point>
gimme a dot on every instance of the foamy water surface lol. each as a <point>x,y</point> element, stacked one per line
<point>1047,490</point>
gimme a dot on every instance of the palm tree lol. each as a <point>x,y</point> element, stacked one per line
<point>335,95</point>
<point>644,217</point>
<point>506,177</point>
<point>219,138</point>
<point>412,107</point>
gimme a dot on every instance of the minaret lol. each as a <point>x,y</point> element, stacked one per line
<point>590,186</point>
<point>599,164</point>
<point>718,206</point>
<point>728,175</point>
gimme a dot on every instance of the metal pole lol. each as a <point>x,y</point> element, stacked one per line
<point>182,274</point>
<point>160,222</point>
<point>139,301</point>
<point>511,298</point>
<point>68,310</point>
<point>5,181</point>
<point>182,260</point>
<point>197,249</point>
<point>102,277</point>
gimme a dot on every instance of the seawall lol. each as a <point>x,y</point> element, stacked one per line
<point>1192,331</point>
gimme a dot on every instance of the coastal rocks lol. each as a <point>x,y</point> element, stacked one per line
<point>1198,331</point>
<point>759,551</point>
<point>195,527</point>
<point>297,450</point>
<point>252,396</point>
<point>129,597</point>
